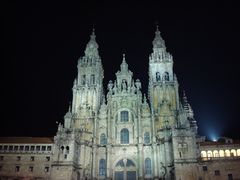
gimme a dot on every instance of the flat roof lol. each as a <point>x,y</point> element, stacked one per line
<point>26,140</point>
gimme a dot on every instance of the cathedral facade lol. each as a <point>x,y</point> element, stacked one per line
<point>123,134</point>
<point>119,135</point>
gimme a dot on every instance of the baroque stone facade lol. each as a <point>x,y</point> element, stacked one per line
<point>125,134</point>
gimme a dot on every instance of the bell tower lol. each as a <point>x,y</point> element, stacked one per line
<point>88,86</point>
<point>163,85</point>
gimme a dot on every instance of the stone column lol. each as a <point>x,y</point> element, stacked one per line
<point>108,161</point>
<point>140,161</point>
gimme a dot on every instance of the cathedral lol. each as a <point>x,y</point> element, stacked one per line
<point>125,134</point>
<point>122,134</point>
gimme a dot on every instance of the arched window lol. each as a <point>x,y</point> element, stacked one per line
<point>67,149</point>
<point>103,139</point>
<point>221,153</point>
<point>102,167</point>
<point>62,149</point>
<point>215,153</point>
<point>166,76</point>
<point>124,116</point>
<point>124,136</point>
<point>158,77</point>
<point>92,80</point>
<point>227,153</point>
<point>233,152</point>
<point>238,152</point>
<point>209,154</point>
<point>146,137</point>
<point>203,154</point>
<point>148,166</point>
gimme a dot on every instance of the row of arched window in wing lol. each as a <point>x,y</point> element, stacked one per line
<point>207,154</point>
<point>165,76</point>
<point>147,166</point>
<point>124,137</point>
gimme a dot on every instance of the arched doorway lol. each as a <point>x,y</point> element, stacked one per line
<point>125,169</point>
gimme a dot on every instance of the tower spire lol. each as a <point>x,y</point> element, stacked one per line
<point>158,42</point>
<point>92,46</point>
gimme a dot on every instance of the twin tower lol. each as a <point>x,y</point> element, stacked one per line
<point>119,135</point>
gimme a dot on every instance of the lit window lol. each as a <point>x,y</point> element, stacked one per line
<point>148,167</point>
<point>221,153</point>
<point>227,153</point>
<point>103,139</point>
<point>146,137</point>
<point>102,167</point>
<point>215,153</point>
<point>124,116</point>
<point>209,154</point>
<point>233,152</point>
<point>124,136</point>
<point>203,154</point>
<point>238,152</point>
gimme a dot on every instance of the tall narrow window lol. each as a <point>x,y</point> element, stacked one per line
<point>102,167</point>
<point>124,136</point>
<point>83,79</point>
<point>166,76</point>
<point>146,137</point>
<point>158,77</point>
<point>103,139</point>
<point>92,79</point>
<point>17,168</point>
<point>148,166</point>
<point>124,116</point>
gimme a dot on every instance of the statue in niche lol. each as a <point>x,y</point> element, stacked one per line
<point>138,84</point>
<point>110,86</point>
<point>124,85</point>
<point>115,88</point>
<point>133,89</point>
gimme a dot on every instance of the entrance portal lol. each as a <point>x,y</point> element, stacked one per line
<point>125,169</point>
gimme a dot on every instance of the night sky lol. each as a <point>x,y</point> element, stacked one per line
<point>43,41</point>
